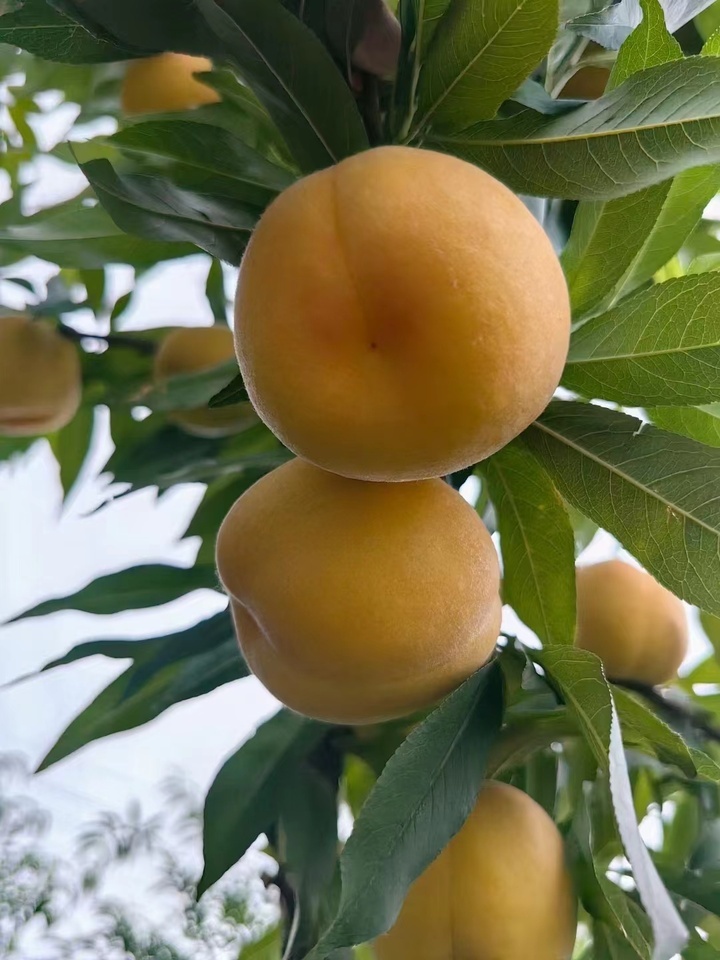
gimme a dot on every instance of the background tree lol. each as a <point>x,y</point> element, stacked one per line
<point>58,907</point>
<point>620,184</point>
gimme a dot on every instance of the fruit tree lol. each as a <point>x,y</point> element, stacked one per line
<point>463,267</point>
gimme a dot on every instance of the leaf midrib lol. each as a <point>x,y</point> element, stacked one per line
<point>196,220</point>
<point>490,41</point>
<point>520,141</point>
<point>261,56</point>
<point>647,354</point>
<point>411,819</point>
<point>675,508</point>
<point>195,165</point>
<point>568,693</point>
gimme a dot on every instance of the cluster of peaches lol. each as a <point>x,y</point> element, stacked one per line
<point>399,317</point>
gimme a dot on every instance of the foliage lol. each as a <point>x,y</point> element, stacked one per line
<point>66,907</point>
<point>623,182</point>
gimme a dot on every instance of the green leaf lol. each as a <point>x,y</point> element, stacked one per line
<point>655,125</point>
<point>582,686</point>
<point>150,25</point>
<point>643,728</point>
<point>165,670</point>
<point>77,234</point>
<point>308,831</point>
<point>537,544</point>
<point>13,446</point>
<point>234,392</point>
<point>660,346</point>
<point>70,446</point>
<point>711,47</point>
<point>359,780</point>
<point>654,491</point>
<point>480,54</point>
<point>711,626</point>
<point>698,423</point>
<point>215,292</point>
<point>701,888</point>
<point>94,283</point>
<point>583,528</point>
<point>245,797</point>
<point>268,947</point>
<point>364,952</point>
<point>192,153</point>
<point>288,68</point>
<point>148,585</point>
<point>155,208</point>
<point>708,670</point>
<point>707,768</point>
<point>186,391</point>
<point>618,245</point>
<point>242,115</point>
<point>708,21</point>
<point>421,799</point>
<point>648,45</point>
<point>430,12</point>
<point>164,455</point>
<point>579,678</point>
<point>588,841</point>
<point>308,821</point>
<point>49,34</point>
<point>608,944</point>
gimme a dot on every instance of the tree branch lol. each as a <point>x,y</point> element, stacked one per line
<point>699,719</point>
<point>139,344</point>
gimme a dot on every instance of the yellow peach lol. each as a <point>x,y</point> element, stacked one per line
<point>165,83</point>
<point>500,890</point>
<point>40,378</point>
<point>357,602</point>
<point>399,316</point>
<point>637,627</point>
<point>191,350</point>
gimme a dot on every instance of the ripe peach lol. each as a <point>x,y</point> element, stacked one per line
<point>357,602</point>
<point>500,890</point>
<point>190,350</point>
<point>165,83</point>
<point>399,316</point>
<point>637,627</point>
<point>40,378</point>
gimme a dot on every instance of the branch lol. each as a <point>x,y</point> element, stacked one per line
<point>369,104</point>
<point>700,720</point>
<point>139,344</point>
<point>289,906</point>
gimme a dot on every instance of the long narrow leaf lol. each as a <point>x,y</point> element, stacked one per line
<point>657,124</point>
<point>657,492</point>
<point>410,816</point>
<point>147,585</point>
<point>291,72</point>
<point>537,544</point>
<point>165,671</point>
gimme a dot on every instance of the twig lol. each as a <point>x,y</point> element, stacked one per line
<point>289,906</point>
<point>698,719</point>
<point>111,339</point>
<point>369,103</point>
